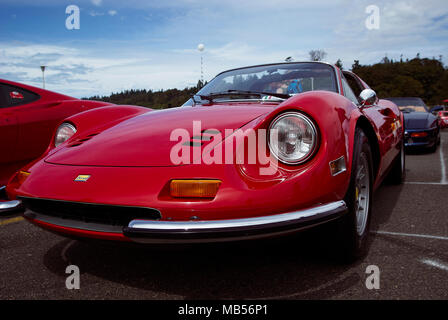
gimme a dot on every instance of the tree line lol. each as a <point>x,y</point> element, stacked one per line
<point>419,77</point>
<point>160,99</point>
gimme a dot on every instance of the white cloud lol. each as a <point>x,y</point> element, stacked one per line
<point>96,14</point>
<point>236,33</point>
<point>97,2</point>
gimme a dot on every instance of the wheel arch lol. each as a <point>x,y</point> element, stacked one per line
<point>364,124</point>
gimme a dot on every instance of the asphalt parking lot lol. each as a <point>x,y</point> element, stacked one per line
<point>409,247</point>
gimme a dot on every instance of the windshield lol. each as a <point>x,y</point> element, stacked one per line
<point>278,80</point>
<point>410,104</point>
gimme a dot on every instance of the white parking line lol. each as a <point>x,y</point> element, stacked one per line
<point>428,183</point>
<point>442,165</point>
<point>443,180</point>
<point>434,263</point>
<point>426,236</point>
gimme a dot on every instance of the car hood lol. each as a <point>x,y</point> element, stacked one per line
<point>416,120</point>
<point>144,141</point>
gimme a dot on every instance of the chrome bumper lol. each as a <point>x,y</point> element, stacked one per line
<point>146,231</point>
<point>6,206</point>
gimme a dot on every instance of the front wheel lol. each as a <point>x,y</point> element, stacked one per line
<point>352,230</point>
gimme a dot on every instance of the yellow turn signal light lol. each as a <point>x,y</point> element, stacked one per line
<point>22,175</point>
<point>19,178</point>
<point>194,188</point>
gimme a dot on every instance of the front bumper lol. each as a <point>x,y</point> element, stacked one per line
<point>8,205</point>
<point>150,231</point>
<point>420,142</point>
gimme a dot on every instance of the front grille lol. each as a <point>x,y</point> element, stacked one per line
<point>90,213</point>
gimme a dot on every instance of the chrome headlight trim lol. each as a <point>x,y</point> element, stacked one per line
<point>62,126</point>
<point>307,120</point>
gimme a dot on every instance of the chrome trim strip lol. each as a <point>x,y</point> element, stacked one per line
<point>3,193</point>
<point>290,221</point>
<point>10,205</point>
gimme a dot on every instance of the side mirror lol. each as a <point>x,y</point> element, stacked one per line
<point>368,97</point>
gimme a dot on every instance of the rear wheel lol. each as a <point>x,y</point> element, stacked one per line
<point>352,230</point>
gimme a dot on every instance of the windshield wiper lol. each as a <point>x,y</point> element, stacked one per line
<point>261,93</point>
<point>211,96</point>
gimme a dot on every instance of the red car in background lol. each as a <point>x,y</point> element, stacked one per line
<point>319,138</point>
<point>443,116</point>
<point>28,118</point>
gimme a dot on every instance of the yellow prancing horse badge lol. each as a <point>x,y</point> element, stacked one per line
<point>82,178</point>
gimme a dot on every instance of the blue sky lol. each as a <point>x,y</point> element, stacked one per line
<point>153,44</point>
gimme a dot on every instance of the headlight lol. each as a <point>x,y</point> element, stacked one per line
<point>296,140</point>
<point>64,132</point>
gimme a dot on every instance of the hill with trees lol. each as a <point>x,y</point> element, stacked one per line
<point>425,78</point>
<point>161,99</point>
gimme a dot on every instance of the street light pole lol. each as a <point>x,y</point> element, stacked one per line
<point>201,48</point>
<point>202,70</point>
<point>43,75</point>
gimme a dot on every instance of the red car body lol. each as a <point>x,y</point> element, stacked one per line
<point>124,152</point>
<point>443,118</point>
<point>28,118</point>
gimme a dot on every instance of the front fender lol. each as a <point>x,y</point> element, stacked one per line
<point>333,116</point>
<point>97,119</point>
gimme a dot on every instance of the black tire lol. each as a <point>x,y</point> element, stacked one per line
<point>398,171</point>
<point>352,243</point>
<point>433,149</point>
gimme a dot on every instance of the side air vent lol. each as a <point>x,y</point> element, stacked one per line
<point>80,141</point>
<point>198,141</point>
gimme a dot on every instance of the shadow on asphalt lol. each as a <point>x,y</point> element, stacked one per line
<point>295,267</point>
<point>384,202</point>
<point>419,151</point>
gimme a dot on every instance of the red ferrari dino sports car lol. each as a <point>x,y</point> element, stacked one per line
<point>259,151</point>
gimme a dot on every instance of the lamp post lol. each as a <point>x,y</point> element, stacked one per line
<point>201,49</point>
<point>43,75</point>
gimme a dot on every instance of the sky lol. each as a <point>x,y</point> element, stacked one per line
<point>150,44</point>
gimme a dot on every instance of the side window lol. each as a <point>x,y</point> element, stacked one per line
<point>354,83</point>
<point>2,97</point>
<point>348,92</point>
<point>14,96</point>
